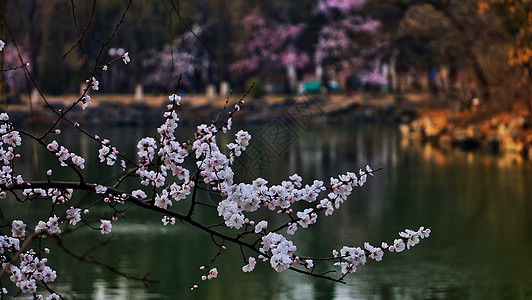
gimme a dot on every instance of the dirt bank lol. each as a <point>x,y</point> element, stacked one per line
<point>500,131</point>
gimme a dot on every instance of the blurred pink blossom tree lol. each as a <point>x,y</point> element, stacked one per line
<point>264,42</point>
<point>350,39</point>
<point>186,57</point>
<point>15,79</point>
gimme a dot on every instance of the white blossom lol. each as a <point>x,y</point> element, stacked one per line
<point>291,229</point>
<point>74,215</point>
<point>213,273</point>
<point>168,220</point>
<point>251,265</point>
<point>93,83</point>
<point>105,226</point>
<point>139,194</point>
<point>398,245</point>
<point>18,229</point>
<point>175,98</point>
<point>100,189</point>
<point>86,101</point>
<point>261,226</point>
<point>53,146</point>
<point>125,58</point>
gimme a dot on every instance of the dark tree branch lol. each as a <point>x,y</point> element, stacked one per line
<point>85,258</point>
<point>84,29</point>
<point>74,13</point>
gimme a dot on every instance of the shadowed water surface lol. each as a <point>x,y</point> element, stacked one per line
<point>479,207</point>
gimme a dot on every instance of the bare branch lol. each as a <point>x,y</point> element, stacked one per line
<point>85,258</point>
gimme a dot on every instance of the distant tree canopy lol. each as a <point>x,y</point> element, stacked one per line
<point>516,19</point>
<point>211,41</point>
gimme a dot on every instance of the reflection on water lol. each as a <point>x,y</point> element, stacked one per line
<point>121,290</point>
<point>479,206</point>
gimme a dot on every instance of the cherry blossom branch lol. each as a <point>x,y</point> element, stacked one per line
<point>91,83</point>
<point>70,165</point>
<point>111,37</point>
<point>22,248</point>
<point>159,156</point>
<point>186,219</point>
<point>15,68</point>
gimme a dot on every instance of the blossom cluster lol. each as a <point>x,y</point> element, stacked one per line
<point>352,257</point>
<point>282,251</point>
<point>9,140</point>
<point>65,157</point>
<point>251,265</point>
<point>108,153</point>
<point>26,268</point>
<point>31,269</point>
<point>50,227</point>
<point>95,84</point>
<point>56,195</point>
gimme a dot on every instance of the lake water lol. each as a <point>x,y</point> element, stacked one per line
<point>479,208</point>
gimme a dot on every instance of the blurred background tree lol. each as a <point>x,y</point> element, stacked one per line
<point>464,44</point>
<point>515,18</point>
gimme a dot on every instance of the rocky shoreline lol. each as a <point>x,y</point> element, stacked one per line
<point>504,132</point>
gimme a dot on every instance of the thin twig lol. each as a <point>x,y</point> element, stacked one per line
<point>84,29</point>
<point>91,260</point>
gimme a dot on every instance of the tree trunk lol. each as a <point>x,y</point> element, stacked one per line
<point>479,72</point>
